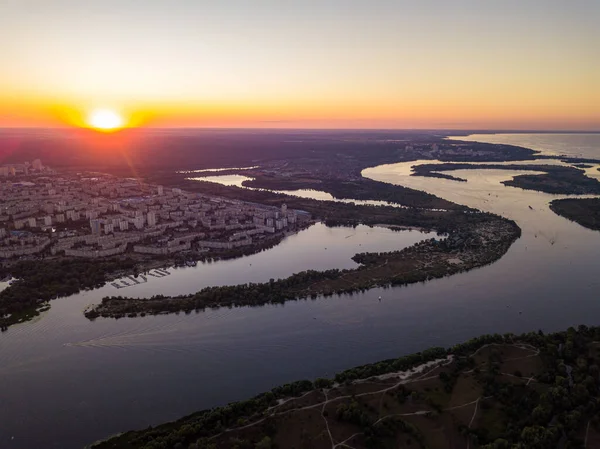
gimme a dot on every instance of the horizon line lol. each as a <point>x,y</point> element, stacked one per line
<point>206,128</point>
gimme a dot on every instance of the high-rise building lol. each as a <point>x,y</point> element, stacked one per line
<point>151,218</point>
<point>160,190</point>
<point>284,209</point>
<point>123,225</point>
<point>95,226</point>
<point>37,165</point>
<point>72,215</point>
<point>138,222</point>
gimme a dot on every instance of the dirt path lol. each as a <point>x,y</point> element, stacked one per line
<point>403,381</point>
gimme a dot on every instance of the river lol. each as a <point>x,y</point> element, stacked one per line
<point>66,381</point>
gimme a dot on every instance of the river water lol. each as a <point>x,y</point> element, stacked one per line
<point>65,381</point>
<point>585,145</point>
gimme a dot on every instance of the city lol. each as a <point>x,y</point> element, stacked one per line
<point>299,225</point>
<point>93,215</point>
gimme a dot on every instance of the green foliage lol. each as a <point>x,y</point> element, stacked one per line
<point>265,443</point>
<point>391,365</point>
<point>323,383</point>
<point>353,413</point>
<point>39,282</point>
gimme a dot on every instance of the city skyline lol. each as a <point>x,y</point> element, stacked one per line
<point>432,65</point>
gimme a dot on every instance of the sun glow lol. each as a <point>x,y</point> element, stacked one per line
<point>105,120</point>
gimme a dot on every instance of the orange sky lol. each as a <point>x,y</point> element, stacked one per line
<point>529,64</point>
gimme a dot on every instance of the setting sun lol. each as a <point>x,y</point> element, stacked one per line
<point>105,120</point>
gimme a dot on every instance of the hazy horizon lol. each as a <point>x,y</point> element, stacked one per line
<point>368,65</point>
<point>254,129</point>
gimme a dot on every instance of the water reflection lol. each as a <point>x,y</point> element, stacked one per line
<point>203,170</point>
<point>112,375</point>
<point>226,180</point>
<point>585,145</point>
<point>317,248</point>
<point>238,180</point>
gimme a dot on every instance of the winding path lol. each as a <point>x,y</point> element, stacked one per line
<point>404,381</point>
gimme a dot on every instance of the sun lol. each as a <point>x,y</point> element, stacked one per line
<point>105,120</point>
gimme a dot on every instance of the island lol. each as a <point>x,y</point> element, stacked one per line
<point>585,211</point>
<point>530,391</point>
<point>555,179</point>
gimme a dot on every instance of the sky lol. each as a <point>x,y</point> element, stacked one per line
<point>461,64</point>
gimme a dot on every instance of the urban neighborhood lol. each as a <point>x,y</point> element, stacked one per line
<point>94,215</point>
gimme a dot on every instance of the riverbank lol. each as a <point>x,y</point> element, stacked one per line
<point>498,390</point>
<point>38,282</point>
<point>554,179</point>
<point>473,245</point>
<point>584,211</point>
<point>356,189</point>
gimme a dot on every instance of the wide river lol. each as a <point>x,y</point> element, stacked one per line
<point>66,381</point>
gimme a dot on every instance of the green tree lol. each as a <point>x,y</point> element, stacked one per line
<point>265,443</point>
